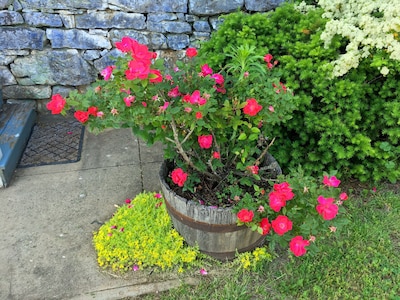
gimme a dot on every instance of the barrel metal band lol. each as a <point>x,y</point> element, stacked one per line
<point>220,228</point>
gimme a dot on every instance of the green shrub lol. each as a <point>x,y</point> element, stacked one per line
<point>351,123</point>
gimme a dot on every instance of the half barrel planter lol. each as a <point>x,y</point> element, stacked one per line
<point>214,230</point>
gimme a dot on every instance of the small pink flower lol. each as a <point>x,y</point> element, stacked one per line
<point>100,114</point>
<point>343,196</point>
<point>203,271</point>
<point>206,70</point>
<point>246,74</point>
<point>158,196</point>
<point>144,104</point>
<point>271,108</point>
<point>188,109</point>
<point>129,100</point>
<point>113,227</point>
<point>331,181</point>
<point>202,202</point>
<point>261,209</point>
<point>114,111</point>
<point>164,107</point>
<point>109,234</point>
<point>107,72</point>
<point>135,268</point>
<point>216,155</point>
<point>199,115</point>
<point>253,169</point>
<point>312,238</point>
<point>332,228</point>
<point>121,229</point>
<point>374,189</point>
<point>128,201</point>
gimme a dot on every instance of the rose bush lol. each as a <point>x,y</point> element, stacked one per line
<point>216,126</point>
<point>298,211</point>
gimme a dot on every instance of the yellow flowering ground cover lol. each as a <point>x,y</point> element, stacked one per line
<point>140,235</point>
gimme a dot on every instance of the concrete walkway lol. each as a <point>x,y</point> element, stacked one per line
<point>48,215</point>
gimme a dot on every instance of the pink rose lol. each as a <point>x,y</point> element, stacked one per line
<point>205,141</point>
<point>252,107</point>
<point>281,225</point>
<point>179,177</point>
<point>265,226</point>
<point>297,245</point>
<point>276,201</point>
<point>191,52</point>
<point>331,181</point>
<point>56,105</point>
<point>326,208</point>
<point>245,215</point>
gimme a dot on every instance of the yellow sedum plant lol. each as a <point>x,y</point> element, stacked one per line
<point>140,235</point>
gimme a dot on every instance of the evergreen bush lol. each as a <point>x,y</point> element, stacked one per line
<point>349,123</point>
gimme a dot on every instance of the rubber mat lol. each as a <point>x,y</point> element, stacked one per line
<point>54,140</point>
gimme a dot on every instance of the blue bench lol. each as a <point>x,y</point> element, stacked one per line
<point>16,122</point>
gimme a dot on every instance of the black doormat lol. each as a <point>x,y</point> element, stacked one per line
<point>54,140</point>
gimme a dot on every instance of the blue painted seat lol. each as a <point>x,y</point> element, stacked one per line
<point>16,122</point>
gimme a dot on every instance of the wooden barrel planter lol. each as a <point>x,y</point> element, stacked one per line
<point>214,230</point>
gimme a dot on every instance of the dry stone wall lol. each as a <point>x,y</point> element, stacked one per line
<point>52,46</point>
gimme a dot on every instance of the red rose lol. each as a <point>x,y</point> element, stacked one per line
<point>56,105</point>
<point>245,215</point>
<point>265,226</point>
<point>281,225</point>
<point>191,52</point>
<point>179,177</point>
<point>285,190</point>
<point>326,208</point>
<point>297,245</point>
<point>276,201</point>
<point>93,111</point>
<point>81,116</point>
<point>155,76</point>
<point>252,107</point>
<point>205,141</point>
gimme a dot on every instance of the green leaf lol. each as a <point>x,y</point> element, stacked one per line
<point>242,136</point>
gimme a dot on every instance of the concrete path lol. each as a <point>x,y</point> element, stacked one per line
<point>48,215</point>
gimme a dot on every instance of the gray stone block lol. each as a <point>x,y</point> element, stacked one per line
<point>6,77</point>
<point>262,5</point>
<point>54,67</point>
<point>10,18</point>
<point>202,26</point>
<point>57,4</point>
<point>5,3</point>
<point>43,19</point>
<point>26,92</point>
<point>150,6</point>
<point>214,7</point>
<point>111,20</point>
<point>22,38</point>
<point>177,27</point>
<point>178,41</point>
<point>76,39</point>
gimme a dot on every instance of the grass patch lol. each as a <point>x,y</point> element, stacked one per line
<point>362,262</point>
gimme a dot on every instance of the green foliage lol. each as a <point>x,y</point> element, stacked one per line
<point>350,124</point>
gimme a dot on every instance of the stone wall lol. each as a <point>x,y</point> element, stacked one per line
<point>52,46</point>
